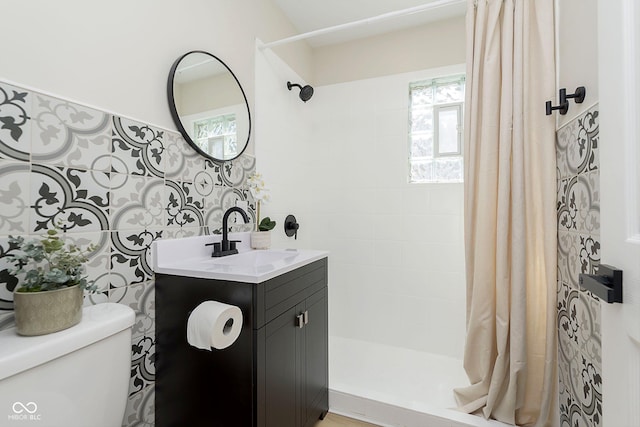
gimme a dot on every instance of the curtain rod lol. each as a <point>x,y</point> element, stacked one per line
<point>384,16</point>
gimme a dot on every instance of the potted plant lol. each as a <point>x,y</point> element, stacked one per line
<point>52,276</point>
<point>261,237</point>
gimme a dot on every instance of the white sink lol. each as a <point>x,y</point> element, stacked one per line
<point>190,257</point>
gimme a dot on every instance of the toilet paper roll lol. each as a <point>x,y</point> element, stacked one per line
<point>214,324</point>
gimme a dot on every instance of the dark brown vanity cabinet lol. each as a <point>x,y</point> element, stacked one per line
<point>295,361</point>
<point>274,375</point>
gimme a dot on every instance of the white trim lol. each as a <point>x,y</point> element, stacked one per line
<point>631,123</point>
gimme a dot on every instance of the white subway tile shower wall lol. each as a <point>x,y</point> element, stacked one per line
<point>115,182</point>
<point>396,250</point>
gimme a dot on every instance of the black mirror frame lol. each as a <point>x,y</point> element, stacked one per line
<point>176,117</point>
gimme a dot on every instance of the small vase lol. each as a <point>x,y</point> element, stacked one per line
<point>40,313</point>
<point>260,239</point>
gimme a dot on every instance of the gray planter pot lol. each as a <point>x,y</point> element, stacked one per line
<point>39,313</point>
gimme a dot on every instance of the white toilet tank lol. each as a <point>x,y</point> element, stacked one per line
<point>78,377</point>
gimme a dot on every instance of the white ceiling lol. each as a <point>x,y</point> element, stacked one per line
<point>310,15</point>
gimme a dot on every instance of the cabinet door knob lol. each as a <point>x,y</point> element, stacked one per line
<point>300,320</point>
<point>306,317</point>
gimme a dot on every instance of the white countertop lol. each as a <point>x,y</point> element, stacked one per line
<point>191,258</point>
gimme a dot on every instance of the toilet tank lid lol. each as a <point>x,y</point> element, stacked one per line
<point>19,353</point>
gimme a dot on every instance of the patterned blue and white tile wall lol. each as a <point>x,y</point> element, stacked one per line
<point>579,336</point>
<point>115,182</point>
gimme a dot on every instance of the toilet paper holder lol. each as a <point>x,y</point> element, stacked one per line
<point>213,324</point>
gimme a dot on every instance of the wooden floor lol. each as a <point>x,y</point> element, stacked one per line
<point>333,420</point>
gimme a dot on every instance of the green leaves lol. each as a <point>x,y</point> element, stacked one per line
<point>48,265</point>
<point>52,243</point>
<point>266,224</point>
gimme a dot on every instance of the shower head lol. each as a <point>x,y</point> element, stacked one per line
<point>306,92</point>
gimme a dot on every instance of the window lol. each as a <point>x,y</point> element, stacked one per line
<point>217,135</point>
<point>435,131</point>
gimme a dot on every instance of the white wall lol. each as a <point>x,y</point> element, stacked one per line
<point>577,53</point>
<point>283,143</point>
<point>116,55</point>
<point>432,45</point>
<point>339,163</point>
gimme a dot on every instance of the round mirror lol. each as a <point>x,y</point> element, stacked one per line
<point>209,106</point>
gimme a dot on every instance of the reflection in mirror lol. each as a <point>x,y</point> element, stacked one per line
<point>209,106</point>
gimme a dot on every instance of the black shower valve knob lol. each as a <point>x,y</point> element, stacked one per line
<point>291,226</point>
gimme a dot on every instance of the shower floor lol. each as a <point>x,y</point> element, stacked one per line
<point>392,386</point>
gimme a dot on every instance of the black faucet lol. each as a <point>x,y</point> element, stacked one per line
<point>226,247</point>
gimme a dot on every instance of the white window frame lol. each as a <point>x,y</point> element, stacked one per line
<point>436,109</point>
<point>457,107</point>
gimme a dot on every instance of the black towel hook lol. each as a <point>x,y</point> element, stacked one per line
<point>563,107</point>
<point>578,95</point>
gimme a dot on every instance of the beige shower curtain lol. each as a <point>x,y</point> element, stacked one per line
<point>510,217</point>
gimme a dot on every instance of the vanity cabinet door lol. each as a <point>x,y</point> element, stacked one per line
<point>315,358</point>
<point>282,370</point>
<point>296,360</point>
